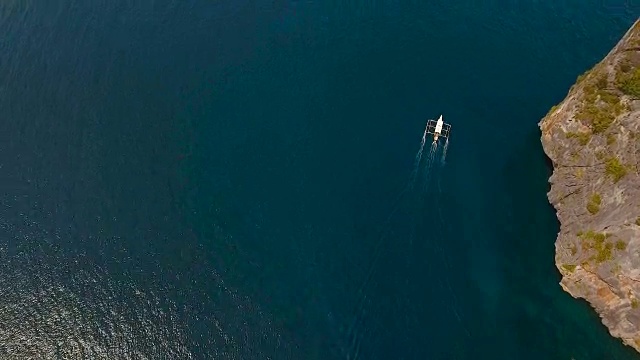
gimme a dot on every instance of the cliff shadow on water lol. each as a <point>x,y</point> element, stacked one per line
<point>536,305</point>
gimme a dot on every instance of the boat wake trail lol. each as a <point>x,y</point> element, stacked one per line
<point>416,164</point>
<point>444,151</point>
<point>428,168</point>
<point>409,199</point>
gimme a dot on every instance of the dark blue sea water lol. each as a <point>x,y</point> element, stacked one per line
<point>216,179</point>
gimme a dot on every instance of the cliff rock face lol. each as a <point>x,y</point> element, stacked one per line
<point>593,140</point>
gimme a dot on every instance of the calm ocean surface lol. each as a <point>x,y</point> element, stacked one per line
<point>217,179</point>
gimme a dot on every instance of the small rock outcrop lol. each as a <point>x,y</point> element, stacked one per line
<point>593,140</point>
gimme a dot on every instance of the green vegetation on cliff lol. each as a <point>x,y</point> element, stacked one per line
<point>597,241</point>
<point>628,80</point>
<point>615,169</point>
<point>593,205</point>
<point>602,103</point>
<point>583,137</point>
<point>569,267</point>
<point>601,107</point>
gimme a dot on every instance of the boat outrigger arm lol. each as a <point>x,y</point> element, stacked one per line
<point>438,129</point>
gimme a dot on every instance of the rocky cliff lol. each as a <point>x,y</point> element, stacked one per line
<point>593,139</point>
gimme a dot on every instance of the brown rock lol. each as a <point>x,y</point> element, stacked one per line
<point>593,139</point>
